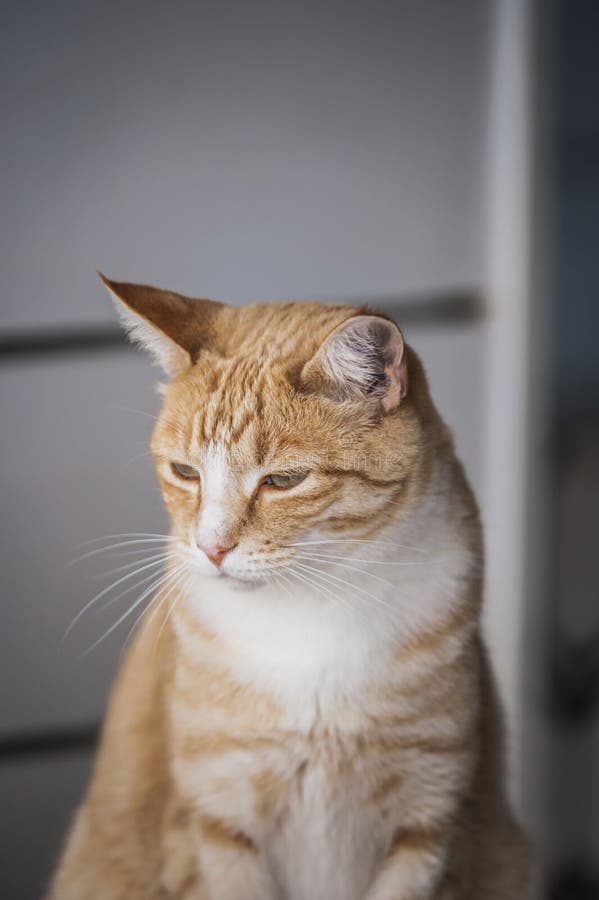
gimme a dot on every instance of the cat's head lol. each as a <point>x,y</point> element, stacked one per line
<point>282,425</point>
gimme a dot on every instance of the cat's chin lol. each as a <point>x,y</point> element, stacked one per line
<point>238,583</point>
<point>243,584</point>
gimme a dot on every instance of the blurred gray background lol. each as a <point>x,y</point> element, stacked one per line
<point>387,152</point>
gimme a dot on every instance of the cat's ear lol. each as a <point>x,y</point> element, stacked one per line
<point>363,358</point>
<point>172,327</point>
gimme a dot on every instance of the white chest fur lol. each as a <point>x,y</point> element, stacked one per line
<point>329,842</point>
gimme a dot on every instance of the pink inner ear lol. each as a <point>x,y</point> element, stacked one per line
<point>397,380</point>
<point>363,358</point>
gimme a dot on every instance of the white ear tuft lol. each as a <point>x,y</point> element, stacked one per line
<point>172,358</point>
<point>364,359</point>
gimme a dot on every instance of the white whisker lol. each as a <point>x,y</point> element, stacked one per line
<point>125,534</point>
<point>336,578</point>
<point>126,614</point>
<point>160,557</point>
<point>345,565</point>
<point>355,541</point>
<point>140,412</point>
<point>327,576</point>
<point>323,590</point>
<point>374,562</point>
<point>103,594</point>
<point>110,547</point>
<point>164,593</point>
<point>278,579</point>
<point>133,587</point>
<point>179,589</point>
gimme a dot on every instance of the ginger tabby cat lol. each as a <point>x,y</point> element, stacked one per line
<point>307,711</point>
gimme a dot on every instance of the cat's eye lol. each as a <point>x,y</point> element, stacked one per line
<point>184,471</point>
<point>285,479</point>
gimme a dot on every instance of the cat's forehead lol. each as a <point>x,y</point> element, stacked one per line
<point>244,412</point>
<point>230,401</point>
<point>243,405</point>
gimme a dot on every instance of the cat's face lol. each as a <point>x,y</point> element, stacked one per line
<point>249,468</point>
<point>283,425</point>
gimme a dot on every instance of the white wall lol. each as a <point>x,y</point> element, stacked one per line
<point>239,150</point>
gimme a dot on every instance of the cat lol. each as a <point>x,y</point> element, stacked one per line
<point>307,711</point>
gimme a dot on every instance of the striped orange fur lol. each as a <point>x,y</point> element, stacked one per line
<point>307,711</point>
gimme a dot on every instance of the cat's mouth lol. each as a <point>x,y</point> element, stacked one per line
<point>233,573</point>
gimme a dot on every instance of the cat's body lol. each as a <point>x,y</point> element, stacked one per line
<point>330,732</point>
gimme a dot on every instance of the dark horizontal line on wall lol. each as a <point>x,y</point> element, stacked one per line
<point>55,342</point>
<point>445,308</point>
<point>33,744</point>
<point>457,307</point>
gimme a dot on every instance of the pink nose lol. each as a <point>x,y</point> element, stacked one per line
<point>217,553</point>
